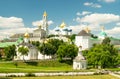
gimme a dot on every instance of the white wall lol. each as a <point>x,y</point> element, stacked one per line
<point>83,41</point>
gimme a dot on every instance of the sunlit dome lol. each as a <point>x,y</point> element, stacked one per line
<point>62,25</point>
<point>26,35</point>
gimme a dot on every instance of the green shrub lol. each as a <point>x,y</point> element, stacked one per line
<point>30,75</point>
<point>33,63</point>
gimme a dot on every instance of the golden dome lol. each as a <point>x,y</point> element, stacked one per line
<point>26,35</point>
<point>45,14</point>
<point>62,25</point>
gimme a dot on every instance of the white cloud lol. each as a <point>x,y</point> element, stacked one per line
<point>95,5</point>
<point>12,25</point>
<point>78,13</point>
<point>114,31</point>
<point>83,13</point>
<point>97,18</point>
<point>88,3</point>
<point>107,1</point>
<point>78,19</point>
<point>11,22</point>
<point>40,22</point>
<point>118,24</point>
<point>94,21</point>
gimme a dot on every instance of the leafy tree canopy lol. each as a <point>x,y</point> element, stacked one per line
<point>23,50</point>
<point>103,55</point>
<point>10,52</point>
<point>67,51</point>
<point>106,41</point>
<point>51,47</point>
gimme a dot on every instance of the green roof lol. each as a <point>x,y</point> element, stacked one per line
<point>20,39</point>
<point>5,44</point>
<point>111,38</point>
<point>103,33</point>
<point>94,39</point>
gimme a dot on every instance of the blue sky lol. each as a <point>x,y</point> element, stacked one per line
<point>18,15</point>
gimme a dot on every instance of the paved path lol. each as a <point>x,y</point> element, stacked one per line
<point>48,74</point>
<point>113,74</point>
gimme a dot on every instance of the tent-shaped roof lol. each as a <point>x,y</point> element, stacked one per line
<point>83,33</point>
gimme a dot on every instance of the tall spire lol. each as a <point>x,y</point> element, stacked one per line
<point>45,23</point>
<point>102,28</point>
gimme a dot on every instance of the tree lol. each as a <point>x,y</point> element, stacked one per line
<point>106,41</point>
<point>103,55</point>
<point>72,37</point>
<point>10,52</point>
<point>36,43</point>
<point>23,50</point>
<point>47,49</point>
<point>67,51</point>
<point>56,43</point>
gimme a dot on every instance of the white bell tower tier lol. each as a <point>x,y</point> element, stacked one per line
<point>45,23</point>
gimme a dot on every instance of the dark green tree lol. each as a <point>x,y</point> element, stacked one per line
<point>10,52</point>
<point>72,37</point>
<point>106,40</point>
<point>56,43</point>
<point>36,43</point>
<point>47,49</point>
<point>67,51</point>
<point>102,55</point>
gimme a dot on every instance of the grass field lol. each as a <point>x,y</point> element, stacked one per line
<point>39,66</point>
<point>34,66</point>
<point>67,77</point>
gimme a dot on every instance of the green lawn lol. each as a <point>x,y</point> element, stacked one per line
<point>34,66</point>
<point>67,77</point>
<point>39,66</point>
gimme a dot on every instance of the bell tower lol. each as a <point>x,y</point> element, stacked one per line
<point>45,23</point>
